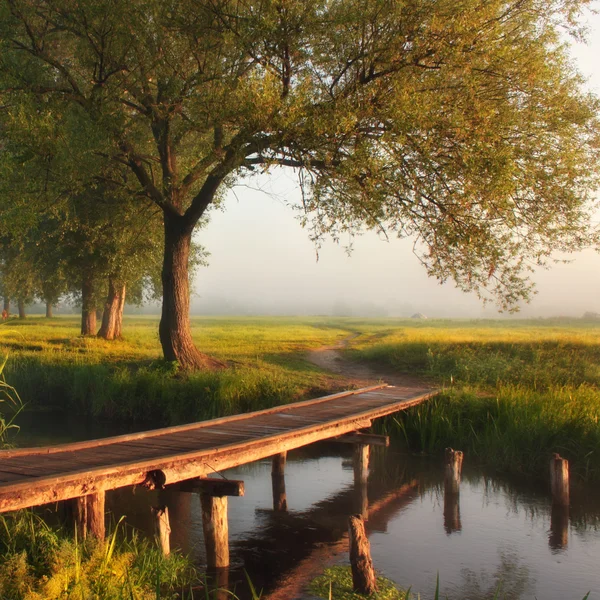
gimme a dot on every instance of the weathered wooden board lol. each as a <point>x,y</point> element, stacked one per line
<point>29,477</point>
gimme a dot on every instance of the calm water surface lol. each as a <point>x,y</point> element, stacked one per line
<point>497,531</point>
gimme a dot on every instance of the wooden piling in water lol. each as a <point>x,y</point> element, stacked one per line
<point>559,480</point>
<point>361,463</point>
<point>453,460</point>
<point>216,530</point>
<point>163,528</point>
<point>363,573</point>
<point>89,516</point>
<point>278,482</point>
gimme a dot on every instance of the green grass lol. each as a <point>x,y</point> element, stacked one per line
<point>53,367</point>
<point>513,392</point>
<point>336,584</point>
<point>40,563</point>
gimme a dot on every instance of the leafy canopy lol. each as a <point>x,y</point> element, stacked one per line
<point>460,122</point>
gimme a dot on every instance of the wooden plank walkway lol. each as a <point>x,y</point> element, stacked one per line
<point>34,476</point>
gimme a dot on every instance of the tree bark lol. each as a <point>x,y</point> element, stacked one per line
<point>112,317</point>
<point>88,305</point>
<point>49,314</point>
<point>174,330</point>
<point>7,304</point>
<point>21,305</point>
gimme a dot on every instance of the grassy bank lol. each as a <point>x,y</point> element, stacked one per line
<point>513,392</point>
<point>53,367</point>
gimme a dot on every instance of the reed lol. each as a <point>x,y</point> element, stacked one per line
<point>510,397</point>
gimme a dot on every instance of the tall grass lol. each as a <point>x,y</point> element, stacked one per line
<point>53,367</point>
<point>39,563</point>
<point>511,395</point>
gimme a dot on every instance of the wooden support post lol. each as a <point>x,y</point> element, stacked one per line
<point>89,515</point>
<point>453,470</point>
<point>559,480</point>
<point>278,482</point>
<point>363,574</point>
<point>216,531</point>
<point>163,528</point>
<point>452,473</point>
<point>361,463</point>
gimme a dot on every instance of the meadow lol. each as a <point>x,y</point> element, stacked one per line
<point>511,393</point>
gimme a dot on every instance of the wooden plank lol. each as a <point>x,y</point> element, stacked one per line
<point>128,463</point>
<point>149,434</point>
<point>186,466</point>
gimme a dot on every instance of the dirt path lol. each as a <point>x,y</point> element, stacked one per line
<point>329,358</point>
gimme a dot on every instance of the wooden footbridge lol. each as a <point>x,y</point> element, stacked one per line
<point>185,457</point>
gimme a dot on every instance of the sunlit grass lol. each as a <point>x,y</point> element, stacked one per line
<point>513,392</point>
<point>54,367</point>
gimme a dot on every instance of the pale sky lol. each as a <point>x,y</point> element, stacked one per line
<point>262,261</point>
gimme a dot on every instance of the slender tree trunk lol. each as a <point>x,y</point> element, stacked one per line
<point>48,310</point>
<point>7,304</point>
<point>174,330</point>
<point>88,308</point>
<point>21,305</point>
<point>112,318</point>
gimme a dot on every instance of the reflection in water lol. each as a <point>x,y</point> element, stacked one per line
<point>509,533</point>
<point>558,538</point>
<point>511,581</point>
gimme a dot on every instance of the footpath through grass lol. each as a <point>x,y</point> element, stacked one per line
<point>513,391</point>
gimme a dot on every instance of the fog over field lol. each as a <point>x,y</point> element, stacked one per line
<point>262,261</point>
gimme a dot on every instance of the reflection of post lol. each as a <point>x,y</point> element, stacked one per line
<point>559,516</point>
<point>219,582</point>
<point>278,481</point>
<point>558,539</point>
<point>361,475</point>
<point>216,530</point>
<point>452,473</point>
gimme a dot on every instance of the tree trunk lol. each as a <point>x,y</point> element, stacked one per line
<point>112,317</point>
<point>21,305</point>
<point>88,308</point>
<point>174,330</point>
<point>7,304</point>
<point>49,310</point>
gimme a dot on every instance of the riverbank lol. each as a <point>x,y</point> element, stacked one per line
<point>512,393</point>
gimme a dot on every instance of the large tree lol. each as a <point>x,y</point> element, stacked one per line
<point>460,122</point>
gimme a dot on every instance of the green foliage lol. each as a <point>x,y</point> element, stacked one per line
<point>336,584</point>
<point>462,124</point>
<point>38,563</point>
